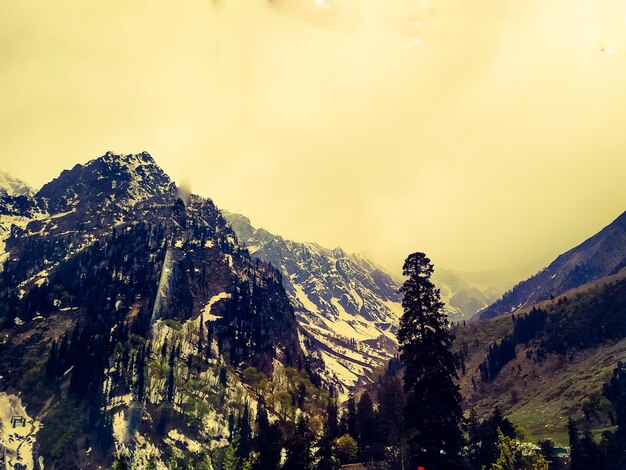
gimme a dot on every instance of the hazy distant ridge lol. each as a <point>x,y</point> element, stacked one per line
<point>602,255</point>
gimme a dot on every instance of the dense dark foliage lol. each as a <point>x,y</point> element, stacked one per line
<point>482,438</point>
<point>498,356</point>
<point>298,448</point>
<point>587,320</point>
<point>610,452</point>
<point>525,328</point>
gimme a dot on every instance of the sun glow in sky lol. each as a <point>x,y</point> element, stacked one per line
<point>489,134</point>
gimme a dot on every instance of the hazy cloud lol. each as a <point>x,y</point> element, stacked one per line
<point>488,133</point>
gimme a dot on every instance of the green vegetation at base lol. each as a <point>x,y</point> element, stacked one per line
<point>62,427</point>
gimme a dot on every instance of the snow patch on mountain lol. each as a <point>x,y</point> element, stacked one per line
<point>348,309</point>
<point>208,316</point>
<point>304,299</point>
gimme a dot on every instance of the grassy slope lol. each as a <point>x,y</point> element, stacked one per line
<point>538,397</point>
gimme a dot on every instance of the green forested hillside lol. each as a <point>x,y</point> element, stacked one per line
<point>547,364</point>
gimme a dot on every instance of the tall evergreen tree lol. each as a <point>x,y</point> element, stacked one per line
<point>574,444</point>
<point>368,432</point>
<point>326,452</point>
<point>615,442</point>
<point>548,451</point>
<point>232,460</point>
<point>269,441</point>
<point>245,433</point>
<point>326,458</point>
<point>433,412</point>
<point>350,418</point>
<point>615,391</point>
<point>584,452</point>
<point>391,406</point>
<point>391,409</point>
<point>482,449</point>
<point>299,455</point>
<point>332,419</point>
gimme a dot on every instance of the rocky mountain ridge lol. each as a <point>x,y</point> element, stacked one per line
<point>602,255</point>
<point>348,308</point>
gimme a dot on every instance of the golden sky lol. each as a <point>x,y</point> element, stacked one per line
<point>489,133</point>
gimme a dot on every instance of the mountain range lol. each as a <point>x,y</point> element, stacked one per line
<point>547,363</point>
<point>466,293</point>
<point>140,322</point>
<point>347,307</point>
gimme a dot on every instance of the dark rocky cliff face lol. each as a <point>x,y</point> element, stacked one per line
<point>117,288</point>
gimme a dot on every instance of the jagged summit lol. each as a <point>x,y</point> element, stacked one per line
<point>130,161</point>
<point>144,156</point>
<point>131,177</point>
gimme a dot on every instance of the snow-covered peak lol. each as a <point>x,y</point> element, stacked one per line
<point>13,186</point>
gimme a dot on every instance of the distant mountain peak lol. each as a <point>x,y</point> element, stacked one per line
<point>11,186</point>
<point>465,293</point>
